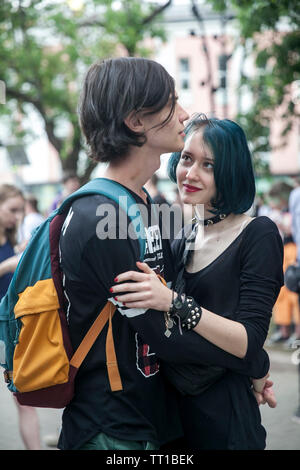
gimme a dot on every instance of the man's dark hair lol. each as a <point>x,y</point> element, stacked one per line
<point>112,89</point>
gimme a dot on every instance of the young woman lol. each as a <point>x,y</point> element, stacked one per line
<point>12,204</point>
<point>226,287</point>
<point>11,214</point>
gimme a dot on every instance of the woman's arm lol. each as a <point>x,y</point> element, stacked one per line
<point>9,265</point>
<point>147,291</point>
<point>260,281</point>
<point>229,335</point>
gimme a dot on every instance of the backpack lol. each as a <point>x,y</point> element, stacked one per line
<point>35,347</point>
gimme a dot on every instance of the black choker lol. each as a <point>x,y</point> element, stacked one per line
<point>212,220</point>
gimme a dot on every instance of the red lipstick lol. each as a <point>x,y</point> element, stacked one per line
<point>191,189</point>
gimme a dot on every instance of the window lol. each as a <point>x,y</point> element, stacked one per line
<point>184,73</point>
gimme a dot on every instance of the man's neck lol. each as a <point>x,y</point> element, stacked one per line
<point>134,171</point>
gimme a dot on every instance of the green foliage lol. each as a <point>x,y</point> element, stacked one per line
<point>277,62</point>
<point>45,50</point>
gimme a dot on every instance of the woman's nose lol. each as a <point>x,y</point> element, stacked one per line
<point>192,173</point>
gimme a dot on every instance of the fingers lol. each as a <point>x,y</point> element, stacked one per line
<point>269,384</point>
<point>270,397</point>
<point>259,398</point>
<point>129,287</point>
<point>131,276</point>
<point>138,304</point>
<point>144,267</point>
<point>135,275</point>
<point>266,397</point>
<point>141,297</point>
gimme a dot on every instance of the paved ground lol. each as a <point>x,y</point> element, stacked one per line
<point>283,434</point>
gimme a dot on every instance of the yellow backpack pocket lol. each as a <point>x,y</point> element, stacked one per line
<point>40,359</point>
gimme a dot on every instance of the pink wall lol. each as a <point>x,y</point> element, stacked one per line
<point>282,161</point>
<point>191,47</point>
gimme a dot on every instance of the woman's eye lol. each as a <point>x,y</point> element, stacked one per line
<point>185,158</point>
<point>208,165</point>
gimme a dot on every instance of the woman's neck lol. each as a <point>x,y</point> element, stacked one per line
<point>3,237</point>
<point>232,223</point>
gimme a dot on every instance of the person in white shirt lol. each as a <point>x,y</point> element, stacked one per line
<point>33,218</point>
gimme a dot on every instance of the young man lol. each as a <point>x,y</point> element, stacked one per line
<point>130,116</point>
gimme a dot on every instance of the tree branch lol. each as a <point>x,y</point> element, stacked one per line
<point>91,22</point>
<point>205,48</point>
<point>49,125</point>
<point>148,19</point>
<point>156,12</point>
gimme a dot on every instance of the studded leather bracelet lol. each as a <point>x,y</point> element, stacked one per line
<point>187,311</point>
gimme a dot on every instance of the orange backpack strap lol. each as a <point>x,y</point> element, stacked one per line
<point>89,339</point>
<point>162,279</point>
<point>111,359</point>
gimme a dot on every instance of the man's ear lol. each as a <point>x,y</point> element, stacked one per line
<point>134,122</point>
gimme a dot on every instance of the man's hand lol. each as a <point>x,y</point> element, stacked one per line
<point>264,393</point>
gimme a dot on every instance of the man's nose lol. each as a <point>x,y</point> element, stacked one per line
<point>183,115</point>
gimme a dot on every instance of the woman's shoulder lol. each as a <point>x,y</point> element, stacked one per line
<point>260,226</point>
<point>261,233</point>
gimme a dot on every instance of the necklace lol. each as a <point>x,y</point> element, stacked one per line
<point>212,220</point>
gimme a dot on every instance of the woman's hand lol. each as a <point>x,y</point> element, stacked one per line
<point>147,291</point>
<point>263,391</point>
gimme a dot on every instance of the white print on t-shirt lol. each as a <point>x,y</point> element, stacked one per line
<point>128,312</point>
<point>67,221</point>
<point>146,362</point>
<point>153,239</point>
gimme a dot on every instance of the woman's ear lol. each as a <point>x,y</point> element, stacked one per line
<point>134,122</point>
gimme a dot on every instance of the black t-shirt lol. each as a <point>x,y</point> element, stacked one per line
<point>244,281</point>
<point>241,284</point>
<point>145,409</point>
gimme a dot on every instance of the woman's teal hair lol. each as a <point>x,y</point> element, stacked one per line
<point>233,170</point>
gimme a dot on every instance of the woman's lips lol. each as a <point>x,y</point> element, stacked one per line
<point>191,189</point>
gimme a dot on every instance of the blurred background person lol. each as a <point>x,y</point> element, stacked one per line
<point>172,217</point>
<point>152,187</point>
<point>32,219</point>
<point>294,208</point>
<point>12,205</point>
<point>70,184</point>
<point>286,310</point>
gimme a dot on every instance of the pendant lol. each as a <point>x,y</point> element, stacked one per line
<point>167,333</point>
<point>169,324</point>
